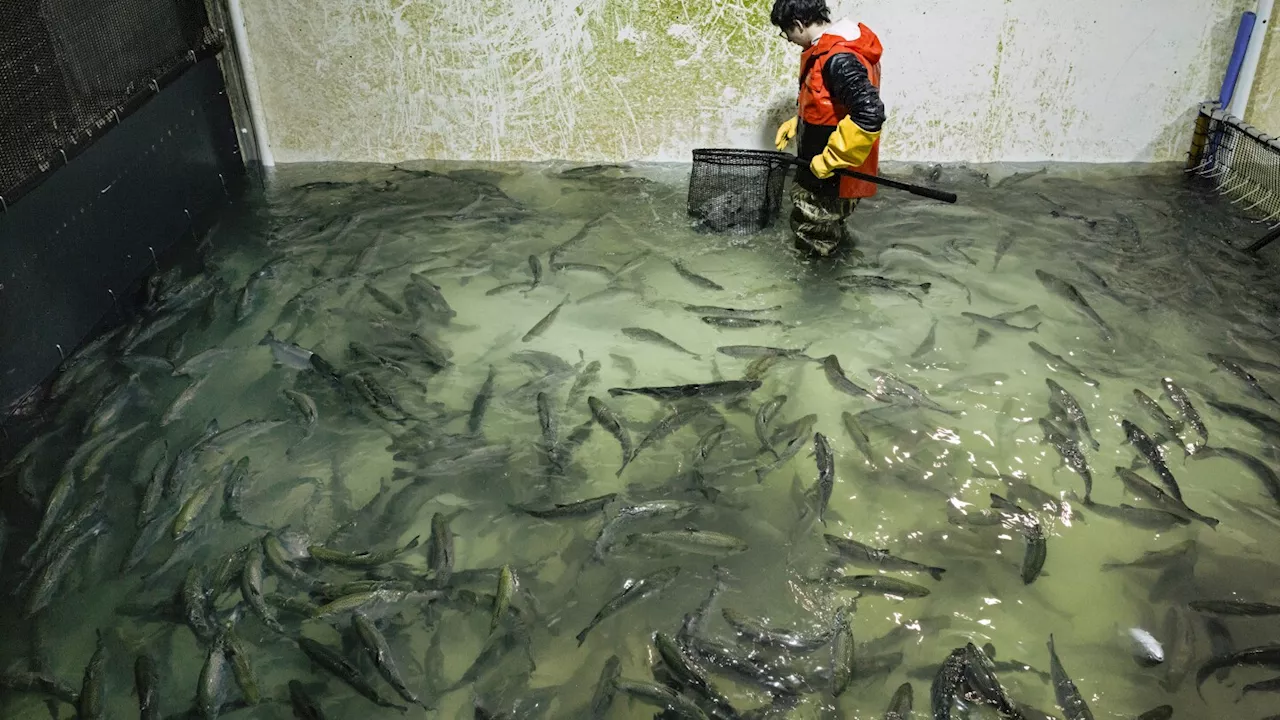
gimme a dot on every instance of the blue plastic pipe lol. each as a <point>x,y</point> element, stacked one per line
<point>1247,21</point>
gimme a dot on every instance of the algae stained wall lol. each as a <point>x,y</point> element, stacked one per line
<point>1264,101</point>
<point>613,80</point>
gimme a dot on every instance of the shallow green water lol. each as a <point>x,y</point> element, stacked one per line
<point>299,262</point>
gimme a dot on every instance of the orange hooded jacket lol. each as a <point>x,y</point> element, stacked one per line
<point>820,112</point>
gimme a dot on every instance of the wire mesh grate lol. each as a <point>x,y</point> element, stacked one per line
<point>1242,162</point>
<point>737,192</point>
<point>70,69</point>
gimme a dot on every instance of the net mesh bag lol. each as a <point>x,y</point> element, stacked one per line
<point>66,65</point>
<point>737,192</point>
<point>1241,161</point>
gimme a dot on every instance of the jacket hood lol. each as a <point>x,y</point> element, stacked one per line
<point>865,42</point>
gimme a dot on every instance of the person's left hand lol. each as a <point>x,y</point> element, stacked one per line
<point>847,147</point>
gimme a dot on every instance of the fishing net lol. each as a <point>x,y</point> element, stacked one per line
<point>737,192</point>
<point>1242,162</point>
<point>70,70</point>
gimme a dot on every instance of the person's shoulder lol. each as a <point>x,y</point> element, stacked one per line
<point>845,62</point>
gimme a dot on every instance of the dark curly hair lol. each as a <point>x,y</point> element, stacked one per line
<point>790,13</point>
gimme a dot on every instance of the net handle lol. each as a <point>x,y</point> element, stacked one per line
<point>940,195</point>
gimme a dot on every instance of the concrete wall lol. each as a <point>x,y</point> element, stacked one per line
<point>593,80</point>
<point>1264,102</point>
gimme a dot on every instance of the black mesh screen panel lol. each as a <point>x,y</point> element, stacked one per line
<point>737,192</point>
<point>70,70</point>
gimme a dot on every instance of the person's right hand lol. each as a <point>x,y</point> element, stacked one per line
<point>786,131</point>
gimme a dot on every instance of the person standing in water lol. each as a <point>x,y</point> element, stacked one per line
<point>838,120</point>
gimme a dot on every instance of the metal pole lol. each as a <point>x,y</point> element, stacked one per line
<point>1248,71</point>
<point>1265,240</point>
<point>257,117</point>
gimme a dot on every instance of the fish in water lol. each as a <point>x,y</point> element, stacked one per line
<point>582,508</point>
<point>610,422</point>
<point>1179,398</point>
<point>286,353</point>
<point>432,296</point>
<point>1234,368</point>
<point>1234,608</point>
<point>947,684</point>
<point>759,351</point>
<point>1272,685</point>
<point>685,672</point>
<point>900,704</point>
<point>826,473</point>
<point>674,509</point>
<point>692,541</point>
<point>657,338</point>
<point>505,288</point>
<point>1260,469</point>
<point>535,269</point>
<point>889,385</point>
<point>928,344</point>
<point>1075,413</point>
<point>581,267</point>
<point>713,391</point>
<point>764,416</point>
<point>998,324</point>
<point>1028,525</point>
<point>879,584</point>
<point>1158,498</point>
<point>606,688</point>
<point>1068,696</point>
<point>1146,649</point>
<point>384,299</point>
<point>1067,291</point>
<point>341,668</point>
<point>1145,518</point>
<point>661,696</point>
<point>908,247</point>
<point>545,322</point>
<point>1059,361</point>
<point>1147,447</point>
<point>739,323</point>
<point>980,678</point>
<point>1003,247</point>
<point>1265,656</point>
<point>1071,455</point>
<point>146,685</point>
<point>304,706</point>
<point>1007,316</point>
<point>855,553</point>
<point>645,587</point>
<point>731,312</point>
<point>982,338</point>
<point>681,416</point>
<point>695,278</point>
<point>867,283</point>
<point>432,351</point>
<point>481,402</point>
<point>1170,426</point>
<point>843,651</point>
<point>1263,422</point>
<point>793,448</point>
<point>952,247</point>
<point>757,632</point>
<point>839,381</point>
<point>859,436</point>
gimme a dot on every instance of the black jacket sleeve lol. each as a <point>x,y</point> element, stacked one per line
<point>846,78</point>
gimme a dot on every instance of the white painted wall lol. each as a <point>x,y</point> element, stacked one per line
<point>591,80</point>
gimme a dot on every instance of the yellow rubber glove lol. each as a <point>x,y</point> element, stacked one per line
<point>786,131</point>
<point>847,147</point>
